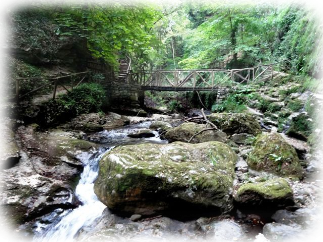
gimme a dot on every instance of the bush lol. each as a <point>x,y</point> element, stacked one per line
<point>85,98</point>
<point>234,103</point>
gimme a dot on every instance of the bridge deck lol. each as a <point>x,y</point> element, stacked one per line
<point>179,89</point>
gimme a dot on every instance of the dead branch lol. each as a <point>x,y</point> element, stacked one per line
<point>189,141</point>
<point>208,121</point>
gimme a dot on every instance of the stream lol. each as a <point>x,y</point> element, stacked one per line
<point>69,223</point>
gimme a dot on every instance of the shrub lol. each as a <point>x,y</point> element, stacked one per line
<point>85,98</point>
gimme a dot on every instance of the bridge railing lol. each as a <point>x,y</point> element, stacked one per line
<point>207,79</point>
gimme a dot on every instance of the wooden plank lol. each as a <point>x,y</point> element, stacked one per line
<point>55,88</point>
<point>261,73</point>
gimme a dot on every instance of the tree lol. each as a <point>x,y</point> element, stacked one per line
<point>112,32</point>
<point>230,28</point>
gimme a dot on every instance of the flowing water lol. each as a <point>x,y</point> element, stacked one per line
<point>73,220</point>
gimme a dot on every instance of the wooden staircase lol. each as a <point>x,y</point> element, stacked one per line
<point>124,70</point>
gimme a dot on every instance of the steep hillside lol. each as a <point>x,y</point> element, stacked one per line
<point>301,33</point>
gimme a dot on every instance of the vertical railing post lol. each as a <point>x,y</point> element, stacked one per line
<point>55,88</point>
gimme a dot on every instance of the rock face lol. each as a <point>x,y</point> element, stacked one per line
<point>95,122</point>
<point>299,226</point>
<point>45,176</point>
<point>273,154</point>
<point>235,123</point>
<point>186,131</point>
<point>271,194</point>
<point>9,152</point>
<point>177,179</point>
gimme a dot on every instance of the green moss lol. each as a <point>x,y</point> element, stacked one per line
<point>271,153</point>
<point>271,189</point>
<point>232,123</point>
<point>135,172</point>
<point>295,105</point>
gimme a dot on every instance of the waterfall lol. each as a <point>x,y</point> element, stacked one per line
<point>90,209</point>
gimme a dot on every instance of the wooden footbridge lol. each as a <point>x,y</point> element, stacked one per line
<point>198,80</point>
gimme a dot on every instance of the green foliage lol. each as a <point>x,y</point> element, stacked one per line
<point>112,32</point>
<point>295,105</point>
<point>174,105</point>
<point>233,103</point>
<point>85,98</point>
<point>299,41</point>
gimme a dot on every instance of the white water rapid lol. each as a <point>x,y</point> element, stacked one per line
<point>85,214</point>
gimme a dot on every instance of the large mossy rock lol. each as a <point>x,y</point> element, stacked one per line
<point>177,179</point>
<point>235,123</point>
<point>9,151</point>
<point>186,131</point>
<point>95,122</point>
<point>271,194</point>
<point>273,154</point>
<point>301,127</point>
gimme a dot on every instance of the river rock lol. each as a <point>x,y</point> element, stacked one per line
<point>271,194</point>
<point>95,122</point>
<point>299,226</point>
<point>242,139</point>
<point>142,133</point>
<point>235,123</point>
<point>177,179</point>
<point>112,228</point>
<point>9,151</point>
<point>273,154</point>
<point>160,126</point>
<point>225,230</point>
<point>45,177</point>
<point>186,131</point>
<point>301,126</point>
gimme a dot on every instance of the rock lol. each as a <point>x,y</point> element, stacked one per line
<point>160,126</point>
<point>177,179</point>
<point>44,180</point>
<point>9,151</point>
<point>273,154</point>
<point>11,217</point>
<point>112,228</point>
<point>226,230</point>
<point>301,127</point>
<point>241,165</point>
<point>186,131</point>
<point>95,122</point>
<point>236,123</point>
<point>135,217</point>
<point>300,146</point>
<point>53,153</point>
<point>271,194</point>
<point>242,139</point>
<point>142,133</point>
<point>261,238</point>
<point>299,226</point>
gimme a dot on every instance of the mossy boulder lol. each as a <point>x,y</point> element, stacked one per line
<point>233,123</point>
<point>186,131</point>
<point>177,179</point>
<point>95,122</point>
<point>160,126</point>
<point>273,154</point>
<point>274,193</point>
<point>301,127</point>
<point>9,151</point>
